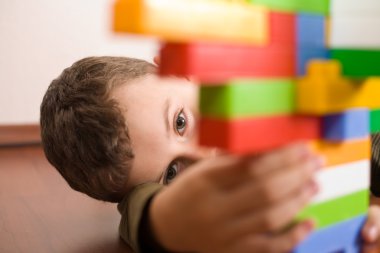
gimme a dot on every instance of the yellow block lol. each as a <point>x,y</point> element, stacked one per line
<point>323,90</point>
<point>184,20</point>
<point>343,152</point>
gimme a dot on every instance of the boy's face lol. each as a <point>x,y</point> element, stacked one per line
<point>161,116</point>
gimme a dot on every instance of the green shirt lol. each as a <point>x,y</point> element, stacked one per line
<point>131,209</point>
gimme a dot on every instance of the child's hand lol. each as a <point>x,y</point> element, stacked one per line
<point>232,204</point>
<point>371,230</point>
<point>157,60</point>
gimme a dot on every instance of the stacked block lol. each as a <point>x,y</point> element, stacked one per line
<point>355,25</point>
<point>355,39</point>
<point>311,40</point>
<point>277,71</point>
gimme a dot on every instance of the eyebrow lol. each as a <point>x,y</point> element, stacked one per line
<point>166,115</point>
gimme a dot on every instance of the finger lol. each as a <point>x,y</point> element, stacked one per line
<point>276,217</point>
<point>223,171</point>
<point>280,158</point>
<point>273,188</point>
<point>231,170</point>
<point>371,229</point>
<point>157,60</point>
<point>280,243</point>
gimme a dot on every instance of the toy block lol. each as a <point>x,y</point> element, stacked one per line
<point>344,237</point>
<point>282,28</point>
<point>375,121</point>
<point>251,135</point>
<point>310,6</point>
<point>342,152</point>
<point>341,180</point>
<point>365,8</point>
<point>248,98</point>
<point>359,35</point>
<point>189,20</point>
<point>311,30</point>
<point>210,63</point>
<point>358,63</point>
<point>350,124</point>
<point>324,91</point>
<point>337,210</point>
<point>305,54</point>
<point>286,5</point>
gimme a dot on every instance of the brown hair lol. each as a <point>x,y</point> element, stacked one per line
<point>83,131</point>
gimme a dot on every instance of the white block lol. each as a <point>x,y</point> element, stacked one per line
<point>337,181</point>
<point>355,33</point>
<point>363,8</point>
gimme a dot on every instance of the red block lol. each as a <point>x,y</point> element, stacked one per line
<point>215,63</point>
<point>253,135</point>
<point>211,63</point>
<point>283,28</point>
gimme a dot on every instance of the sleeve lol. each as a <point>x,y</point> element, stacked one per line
<point>375,165</point>
<point>132,209</point>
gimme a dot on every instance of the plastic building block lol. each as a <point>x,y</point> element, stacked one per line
<point>337,210</point>
<point>305,54</point>
<point>343,152</point>
<point>361,32</point>
<point>358,63</point>
<point>351,124</point>
<point>324,91</point>
<point>375,121</point>
<point>311,40</point>
<point>250,135</point>
<point>248,98</point>
<point>184,20</point>
<point>366,8</point>
<point>210,63</point>
<point>340,180</point>
<point>311,30</point>
<point>314,6</point>
<point>344,237</point>
<point>282,28</point>
<point>285,5</point>
<point>311,6</point>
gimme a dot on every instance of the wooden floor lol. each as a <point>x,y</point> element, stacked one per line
<point>39,213</point>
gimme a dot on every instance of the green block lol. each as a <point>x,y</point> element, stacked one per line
<point>375,121</point>
<point>358,63</point>
<point>248,98</point>
<point>306,6</point>
<point>314,6</point>
<point>285,5</point>
<point>337,210</point>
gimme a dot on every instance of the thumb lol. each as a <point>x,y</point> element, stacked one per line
<point>371,229</point>
<point>157,60</point>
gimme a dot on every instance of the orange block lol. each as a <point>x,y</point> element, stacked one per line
<point>343,152</point>
<point>194,20</point>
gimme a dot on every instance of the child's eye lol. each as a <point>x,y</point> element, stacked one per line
<point>180,123</point>
<point>171,172</point>
<point>176,167</point>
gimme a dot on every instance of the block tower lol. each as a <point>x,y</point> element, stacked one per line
<point>276,71</point>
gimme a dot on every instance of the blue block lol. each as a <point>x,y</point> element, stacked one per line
<point>305,54</point>
<point>344,237</point>
<point>311,30</point>
<point>351,124</point>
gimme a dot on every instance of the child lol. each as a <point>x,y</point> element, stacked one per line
<point>109,125</point>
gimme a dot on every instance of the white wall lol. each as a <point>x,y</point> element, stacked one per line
<point>39,38</point>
